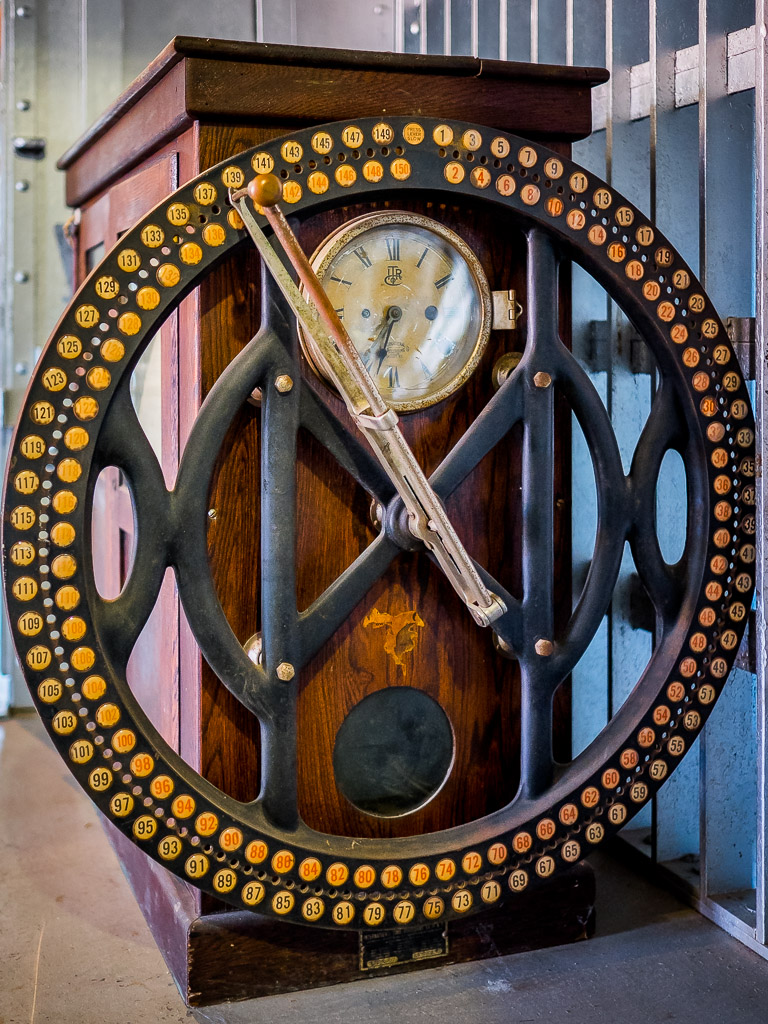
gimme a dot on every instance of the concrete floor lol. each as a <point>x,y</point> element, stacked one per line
<point>74,948</point>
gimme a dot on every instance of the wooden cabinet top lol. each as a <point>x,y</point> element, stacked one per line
<point>214,81</point>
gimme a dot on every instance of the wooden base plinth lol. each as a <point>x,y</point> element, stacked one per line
<point>225,957</point>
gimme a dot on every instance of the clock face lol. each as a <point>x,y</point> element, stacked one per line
<point>414,300</point>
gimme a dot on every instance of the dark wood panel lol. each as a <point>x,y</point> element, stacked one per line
<point>544,106</point>
<point>213,80</point>
<point>453,660</point>
<point>224,948</point>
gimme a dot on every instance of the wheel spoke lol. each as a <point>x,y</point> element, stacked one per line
<point>279,617</point>
<point>538,368</point>
<point>214,635</point>
<point>324,616</point>
<point>536,760</point>
<point>613,512</point>
<point>121,620</point>
<point>326,427</point>
<point>543,337</point>
<point>495,421</point>
<point>538,455</point>
<point>508,626</point>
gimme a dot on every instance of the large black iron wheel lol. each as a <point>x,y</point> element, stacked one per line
<point>78,418</point>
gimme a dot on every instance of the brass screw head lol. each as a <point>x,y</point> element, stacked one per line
<point>544,648</point>
<point>376,513</point>
<point>283,383</point>
<point>502,647</point>
<point>285,671</point>
<point>212,513</point>
<point>542,380</point>
<point>504,367</point>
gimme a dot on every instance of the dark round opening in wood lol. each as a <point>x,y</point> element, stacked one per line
<point>393,752</point>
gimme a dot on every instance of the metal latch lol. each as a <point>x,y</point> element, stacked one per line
<point>741,331</point>
<point>746,658</point>
<point>29,148</point>
<point>619,345</point>
<point>506,310</point>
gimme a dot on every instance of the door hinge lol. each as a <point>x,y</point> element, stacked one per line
<point>506,310</point>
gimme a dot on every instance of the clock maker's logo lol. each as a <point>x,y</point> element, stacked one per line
<point>394,276</point>
<point>402,632</point>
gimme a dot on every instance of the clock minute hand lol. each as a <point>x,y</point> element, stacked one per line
<point>379,344</point>
<point>427,518</point>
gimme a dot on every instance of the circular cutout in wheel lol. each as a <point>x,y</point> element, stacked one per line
<point>393,751</point>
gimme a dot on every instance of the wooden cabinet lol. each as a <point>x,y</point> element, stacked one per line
<point>200,102</point>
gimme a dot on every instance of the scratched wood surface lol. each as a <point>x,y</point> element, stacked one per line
<point>210,80</point>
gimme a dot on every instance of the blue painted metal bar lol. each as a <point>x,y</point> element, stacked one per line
<point>761,392</point>
<point>726,234</point>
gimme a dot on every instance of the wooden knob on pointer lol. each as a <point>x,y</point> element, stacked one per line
<point>266,190</point>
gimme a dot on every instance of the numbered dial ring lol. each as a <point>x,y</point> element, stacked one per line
<point>413,298</point>
<point>77,417</point>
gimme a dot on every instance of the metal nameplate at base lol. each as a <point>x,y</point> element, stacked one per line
<point>393,947</point>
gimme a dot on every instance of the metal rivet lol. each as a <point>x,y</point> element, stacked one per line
<point>22,104</point>
<point>212,513</point>
<point>22,186</point>
<point>283,383</point>
<point>285,671</point>
<point>21,277</point>
<point>544,648</point>
<point>23,12</point>
<point>542,380</point>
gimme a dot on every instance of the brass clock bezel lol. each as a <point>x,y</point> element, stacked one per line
<point>330,247</point>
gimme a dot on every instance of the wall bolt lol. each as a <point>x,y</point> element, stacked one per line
<point>542,380</point>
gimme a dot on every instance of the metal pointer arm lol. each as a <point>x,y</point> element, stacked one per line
<point>427,519</point>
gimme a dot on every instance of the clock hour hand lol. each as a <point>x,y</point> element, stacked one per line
<point>381,341</point>
<point>427,519</point>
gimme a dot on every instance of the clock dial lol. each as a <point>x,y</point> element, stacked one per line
<point>414,300</point>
